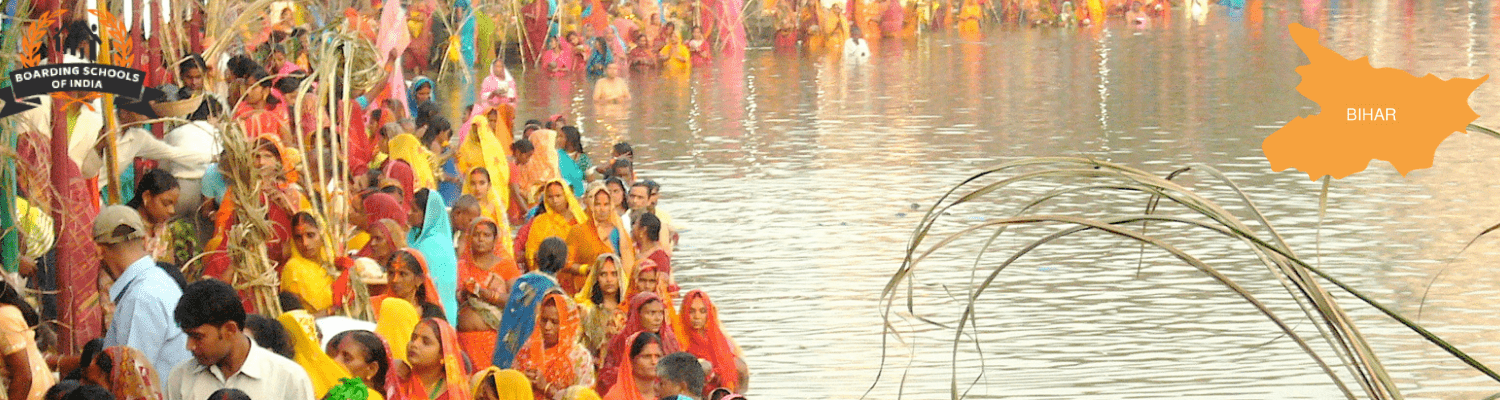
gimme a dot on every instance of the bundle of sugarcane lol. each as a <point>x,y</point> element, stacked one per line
<point>350,60</point>
<point>253,271</point>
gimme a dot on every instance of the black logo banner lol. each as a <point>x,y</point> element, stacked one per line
<point>101,78</point>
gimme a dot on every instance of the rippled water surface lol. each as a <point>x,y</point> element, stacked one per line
<point>797,181</point>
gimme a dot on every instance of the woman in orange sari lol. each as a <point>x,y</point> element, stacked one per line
<point>485,271</point>
<point>602,234</point>
<point>647,314</point>
<point>704,337</point>
<point>552,359</point>
<point>433,369</point>
<point>560,212</point>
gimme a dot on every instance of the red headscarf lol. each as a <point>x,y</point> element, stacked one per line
<point>620,344</point>
<point>429,291</point>
<point>400,171</point>
<point>384,206</point>
<point>710,343</point>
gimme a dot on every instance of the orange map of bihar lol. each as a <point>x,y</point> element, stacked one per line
<point>1367,113</point>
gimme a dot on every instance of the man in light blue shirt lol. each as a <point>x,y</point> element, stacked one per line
<point>143,294</point>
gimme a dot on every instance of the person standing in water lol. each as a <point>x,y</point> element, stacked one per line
<point>611,89</point>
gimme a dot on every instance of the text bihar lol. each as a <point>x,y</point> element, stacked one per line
<point>1370,114</point>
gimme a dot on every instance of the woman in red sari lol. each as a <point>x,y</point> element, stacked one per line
<point>433,369</point>
<point>535,14</point>
<point>419,51</point>
<point>703,335</point>
<point>552,358</point>
<point>260,113</point>
<point>279,191</point>
<point>485,271</point>
<point>647,313</point>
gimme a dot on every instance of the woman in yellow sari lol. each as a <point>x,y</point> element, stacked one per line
<point>483,150</point>
<point>603,233</point>
<point>501,384</point>
<point>307,274</point>
<point>303,331</point>
<point>407,148</point>
<point>559,214</point>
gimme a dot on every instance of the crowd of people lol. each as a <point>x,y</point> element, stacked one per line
<point>408,255</point>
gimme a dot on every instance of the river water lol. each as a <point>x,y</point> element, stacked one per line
<point>797,181</point>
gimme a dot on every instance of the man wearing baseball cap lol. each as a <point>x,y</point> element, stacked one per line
<point>144,295</point>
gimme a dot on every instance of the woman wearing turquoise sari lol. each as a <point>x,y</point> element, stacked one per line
<point>432,235</point>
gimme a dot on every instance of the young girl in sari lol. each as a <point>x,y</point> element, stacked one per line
<point>309,273</point>
<point>600,303</point>
<point>483,158</point>
<point>433,369</point>
<point>552,358</point>
<point>485,271</point>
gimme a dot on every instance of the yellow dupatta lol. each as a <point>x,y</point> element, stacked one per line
<point>324,372</point>
<point>398,318</point>
<point>407,148</point>
<point>483,149</point>
<point>552,223</point>
<point>509,384</point>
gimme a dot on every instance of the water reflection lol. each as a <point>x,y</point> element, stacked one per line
<point>795,176</point>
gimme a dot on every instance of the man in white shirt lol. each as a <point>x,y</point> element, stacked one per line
<point>224,357</point>
<point>137,142</point>
<point>197,136</point>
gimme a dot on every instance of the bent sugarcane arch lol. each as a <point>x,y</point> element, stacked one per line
<point>1074,175</point>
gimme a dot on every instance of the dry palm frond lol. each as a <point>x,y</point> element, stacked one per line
<point>1080,175</point>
